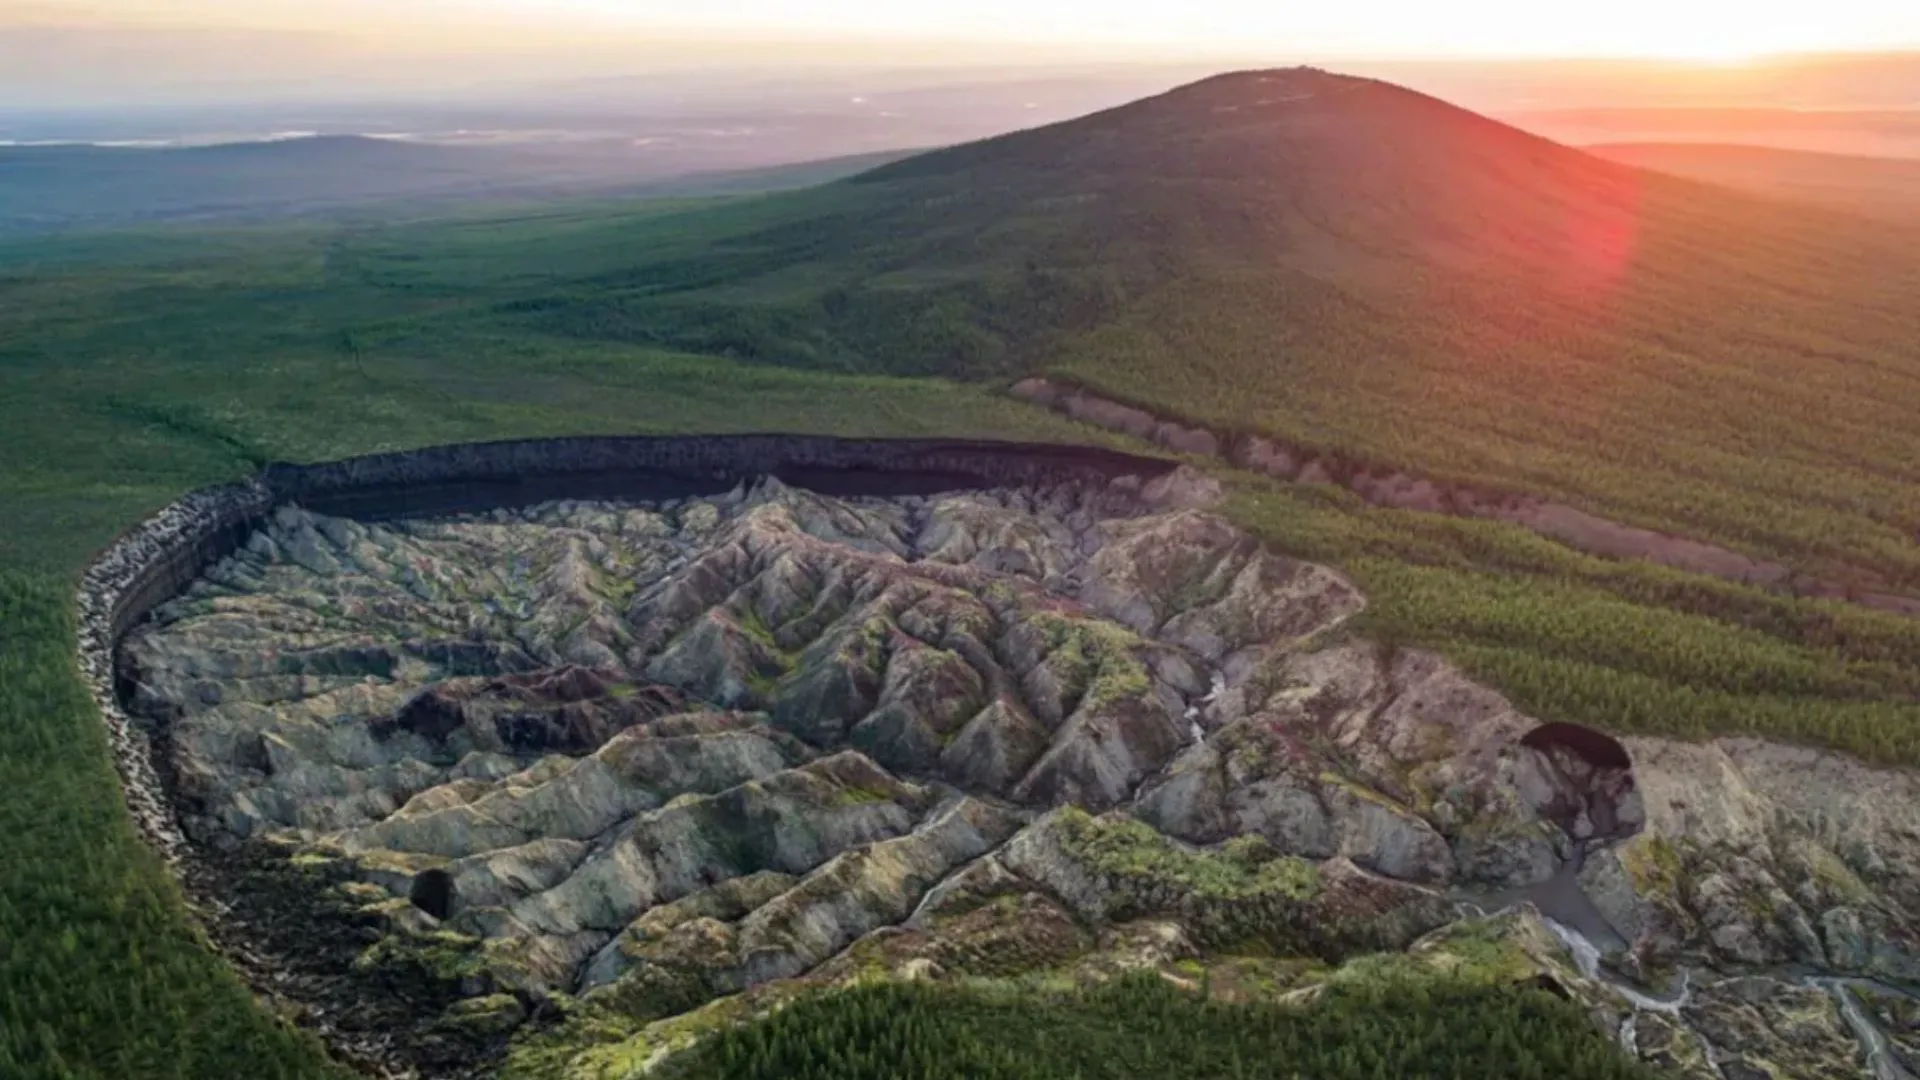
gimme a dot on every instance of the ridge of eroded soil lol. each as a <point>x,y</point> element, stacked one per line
<point>641,762</point>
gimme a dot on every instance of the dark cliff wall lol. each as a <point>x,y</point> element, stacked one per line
<point>159,557</point>
<point>142,569</point>
<point>475,476</point>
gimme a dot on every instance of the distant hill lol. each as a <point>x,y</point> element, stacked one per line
<point>1347,264</point>
<point>50,187</point>
<point>1868,185</point>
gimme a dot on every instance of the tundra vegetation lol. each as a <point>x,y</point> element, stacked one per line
<point>1733,369</point>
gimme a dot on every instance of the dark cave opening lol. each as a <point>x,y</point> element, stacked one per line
<point>1582,780</point>
<point>1596,748</point>
<point>432,892</point>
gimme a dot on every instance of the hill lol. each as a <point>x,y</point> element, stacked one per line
<point>1883,187</point>
<point>1347,265</point>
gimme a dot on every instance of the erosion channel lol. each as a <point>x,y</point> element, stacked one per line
<point>569,784</point>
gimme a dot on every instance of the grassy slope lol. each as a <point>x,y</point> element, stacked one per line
<point>1371,271</point>
<point>100,976</point>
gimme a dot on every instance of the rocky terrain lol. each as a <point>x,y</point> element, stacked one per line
<point>575,783</point>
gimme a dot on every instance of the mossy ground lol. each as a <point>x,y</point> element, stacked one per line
<point>1653,863</point>
<point>1100,656</point>
<point>1243,868</point>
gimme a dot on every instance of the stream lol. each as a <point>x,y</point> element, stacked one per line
<point>1880,1057</point>
<point>1586,958</point>
<point>1882,1064</point>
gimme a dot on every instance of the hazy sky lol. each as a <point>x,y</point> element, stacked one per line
<point>55,50</point>
<point>1663,28</point>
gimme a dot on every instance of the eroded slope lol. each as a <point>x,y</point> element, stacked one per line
<point>624,761</point>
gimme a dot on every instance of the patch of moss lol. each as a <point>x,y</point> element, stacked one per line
<point>591,1044</point>
<point>366,893</point>
<point>755,627</point>
<point>877,632</point>
<point>869,963</point>
<point>1098,655</point>
<point>1117,679</point>
<point>549,1053</point>
<point>1653,864</point>
<point>314,860</point>
<point>1251,978</point>
<point>652,992</point>
<point>442,954</point>
<point>782,661</point>
<point>493,1014</point>
<point>762,684</point>
<point>382,860</point>
<point>619,590</point>
<point>857,795</point>
<point>1836,876</point>
<point>1243,868</point>
<point>1473,953</point>
<point>1000,594</point>
<point>1478,951</point>
<point>1250,754</point>
<point>1363,792</point>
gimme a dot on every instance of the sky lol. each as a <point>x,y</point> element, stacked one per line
<point>121,49</point>
<point>1713,29</point>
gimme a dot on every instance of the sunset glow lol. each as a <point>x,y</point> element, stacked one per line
<point>1657,29</point>
<point>62,52</point>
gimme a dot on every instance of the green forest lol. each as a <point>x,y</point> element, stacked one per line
<point>1142,1026</point>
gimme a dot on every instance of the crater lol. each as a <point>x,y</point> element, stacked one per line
<point>656,750</point>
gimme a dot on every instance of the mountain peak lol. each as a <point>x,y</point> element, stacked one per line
<point>1249,119</point>
<point>1273,85</point>
<point>1330,170</point>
